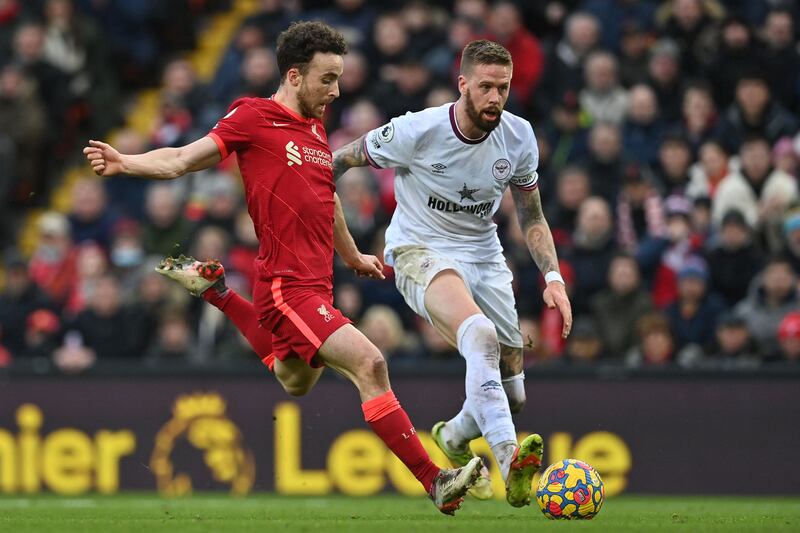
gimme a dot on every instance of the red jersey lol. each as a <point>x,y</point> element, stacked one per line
<point>286,167</point>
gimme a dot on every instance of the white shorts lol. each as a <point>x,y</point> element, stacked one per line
<point>489,285</point>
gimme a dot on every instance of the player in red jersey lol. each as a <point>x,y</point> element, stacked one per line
<point>285,162</point>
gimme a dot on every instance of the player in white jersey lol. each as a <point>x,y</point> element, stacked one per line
<point>452,165</point>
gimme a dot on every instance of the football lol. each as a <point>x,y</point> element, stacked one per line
<point>570,489</point>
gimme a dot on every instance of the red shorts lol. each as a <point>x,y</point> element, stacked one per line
<point>300,318</point>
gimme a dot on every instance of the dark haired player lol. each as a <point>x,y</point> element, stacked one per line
<point>286,167</point>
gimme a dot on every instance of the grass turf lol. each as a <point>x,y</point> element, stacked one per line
<point>146,513</point>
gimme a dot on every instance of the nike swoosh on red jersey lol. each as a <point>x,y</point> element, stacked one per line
<point>280,124</point>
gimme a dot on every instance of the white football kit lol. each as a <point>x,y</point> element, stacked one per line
<point>448,187</point>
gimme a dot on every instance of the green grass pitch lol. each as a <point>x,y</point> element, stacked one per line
<point>146,513</point>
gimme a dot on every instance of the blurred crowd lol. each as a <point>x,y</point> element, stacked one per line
<point>669,149</point>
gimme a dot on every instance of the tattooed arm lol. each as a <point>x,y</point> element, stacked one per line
<point>349,156</point>
<point>540,243</point>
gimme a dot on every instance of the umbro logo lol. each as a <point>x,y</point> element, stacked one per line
<point>491,385</point>
<point>438,168</point>
<point>293,154</point>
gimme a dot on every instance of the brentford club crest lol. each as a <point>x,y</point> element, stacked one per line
<point>501,169</point>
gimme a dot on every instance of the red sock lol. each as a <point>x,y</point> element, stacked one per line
<point>243,315</point>
<point>391,423</point>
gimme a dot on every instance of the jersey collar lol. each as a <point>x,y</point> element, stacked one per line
<point>461,137</point>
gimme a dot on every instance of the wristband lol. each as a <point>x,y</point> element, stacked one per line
<point>553,276</point>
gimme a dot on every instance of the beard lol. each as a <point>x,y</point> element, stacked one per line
<point>476,117</point>
<point>306,103</point>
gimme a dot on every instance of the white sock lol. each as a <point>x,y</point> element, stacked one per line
<point>460,430</point>
<point>486,400</point>
<point>515,391</point>
<point>504,452</point>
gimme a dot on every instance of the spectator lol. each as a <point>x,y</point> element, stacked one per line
<point>426,34</point>
<point>244,249</point>
<point>664,76</point>
<point>259,75</point>
<point>563,73</point>
<point>605,163</point>
<point>228,77</point>
<point>51,82</point>
<point>754,113</point>
<point>52,265</point>
<point>614,15</point>
<point>505,27</point>
<point>390,47</point>
<point>780,58</point>
<point>126,194</point>
<point>164,229</point>
<point>735,259</point>
<point>643,128</point>
<point>708,172</point>
<point>785,158</point>
<point>760,192</point>
<point>20,297</point>
<point>221,199</point>
<point>733,347</point>
<point>585,344</point>
<point>90,218</point>
<point>617,308</point>
<point>592,250</point>
<point>173,341</point>
<point>735,55</point>
<point>690,23</point>
<point>603,99</point>
<point>655,345</point>
<point>674,159</point>
<point>639,212</point>
<point>354,18</point>
<point>22,123</point>
<point>42,334</point>
<point>693,316</point>
<point>352,87</point>
<point>572,189</point>
<point>771,296</point>
<point>405,91</point>
<point>791,236</point>
<point>634,54</point>
<point>91,264</point>
<point>699,115</point>
<point>383,327</point>
<point>789,338</point>
<point>663,258</point>
<point>107,327</point>
<point>564,133</point>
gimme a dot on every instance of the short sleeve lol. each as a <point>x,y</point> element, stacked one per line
<point>525,175</point>
<point>391,145</point>
<point>233,131</point>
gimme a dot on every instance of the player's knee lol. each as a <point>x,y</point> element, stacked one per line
<point>372,369</point>
<point>296,390</point>
<point>481,332</point>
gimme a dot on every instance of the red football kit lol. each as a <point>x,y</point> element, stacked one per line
<point>287,170</point>
<point>286,167</point>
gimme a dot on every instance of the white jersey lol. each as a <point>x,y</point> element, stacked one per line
<point>447,186</point>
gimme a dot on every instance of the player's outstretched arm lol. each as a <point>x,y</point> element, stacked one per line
<point>364,265</point>
<point>349,156</point>
<point>163,163</point>
<point>539,239</point>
